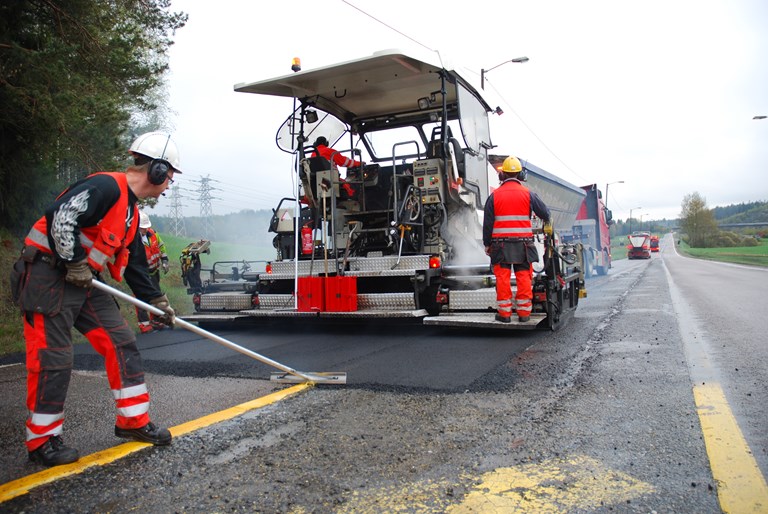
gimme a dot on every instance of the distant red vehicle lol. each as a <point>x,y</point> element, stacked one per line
<point>654,243</point>
<point>639,246</point>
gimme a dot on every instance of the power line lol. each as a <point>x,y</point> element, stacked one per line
<point>497,91</point>
<point>503,99</point>
<point>242,193</point>
<point>388,26</point>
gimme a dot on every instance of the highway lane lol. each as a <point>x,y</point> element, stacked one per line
<point>726,331</point>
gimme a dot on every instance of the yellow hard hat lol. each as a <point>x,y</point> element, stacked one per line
<point>511,165</point>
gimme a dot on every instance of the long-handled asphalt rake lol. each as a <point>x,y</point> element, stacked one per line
<point>288,375</point>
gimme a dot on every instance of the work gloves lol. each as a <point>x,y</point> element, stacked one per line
<point>162,303</point>
<point>547,228</point>
<point>79,273</point>
<point>165,265</point>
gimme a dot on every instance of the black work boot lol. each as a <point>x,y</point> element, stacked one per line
<point>54,453</point>
<point>149,433</point>
<point>503,319</point>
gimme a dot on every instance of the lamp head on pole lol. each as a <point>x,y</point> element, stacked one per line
<point>606,190</point>
<point>484,71</point>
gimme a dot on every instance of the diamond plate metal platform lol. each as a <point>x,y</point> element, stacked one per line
<point>483,320</point>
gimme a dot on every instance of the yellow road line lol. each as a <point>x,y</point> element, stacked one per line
<point>25,484</point>
<point>741,486</point>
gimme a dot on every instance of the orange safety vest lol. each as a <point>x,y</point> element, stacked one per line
<point>105,243</point>
<point>512,211</point>
<point>152,247</point>
<point>338,158</point>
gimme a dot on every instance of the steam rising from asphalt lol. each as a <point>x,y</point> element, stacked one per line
<point>464,233</point>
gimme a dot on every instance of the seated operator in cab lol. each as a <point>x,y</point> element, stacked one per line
<point>323,150</point>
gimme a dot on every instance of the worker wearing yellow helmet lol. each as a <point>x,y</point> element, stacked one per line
<point>508,239</point>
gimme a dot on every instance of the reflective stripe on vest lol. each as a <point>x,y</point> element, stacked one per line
<point>512,211</point>
<point>105,243</point>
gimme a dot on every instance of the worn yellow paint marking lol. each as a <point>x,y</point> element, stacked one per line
<point>566,485</point>
<point>741,486</point>
<point>25,484</point>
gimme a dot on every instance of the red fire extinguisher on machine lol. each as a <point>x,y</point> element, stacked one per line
<point>306,240</point>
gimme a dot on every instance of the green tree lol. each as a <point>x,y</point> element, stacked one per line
<point>75,76</point>
<point>697,220</point>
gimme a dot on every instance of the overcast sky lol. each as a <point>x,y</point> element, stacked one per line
<point>659,93</point>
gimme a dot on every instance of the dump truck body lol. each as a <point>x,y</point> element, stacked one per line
<point>592,230</point>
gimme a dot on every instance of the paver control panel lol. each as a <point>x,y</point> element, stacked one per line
<point>428,180</point>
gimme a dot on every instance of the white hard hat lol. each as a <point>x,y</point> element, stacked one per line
<point>144,220</point>
<point>157,145</point>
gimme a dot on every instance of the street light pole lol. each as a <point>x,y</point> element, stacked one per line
<point>606,190</point>
<point>630,218</point>
<point>484,71</point>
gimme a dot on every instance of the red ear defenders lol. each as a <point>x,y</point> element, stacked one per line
<point>158,171</point>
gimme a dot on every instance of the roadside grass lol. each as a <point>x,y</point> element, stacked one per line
<point>11,329</point>
<point>753,255</point>
<point>618,248</point>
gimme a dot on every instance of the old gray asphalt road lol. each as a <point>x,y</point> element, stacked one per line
<point>598,417</point>
<point>728,337</point>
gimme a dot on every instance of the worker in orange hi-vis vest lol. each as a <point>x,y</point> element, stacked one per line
<point>323,150</point>
<point>90,230</point>
<point>157,259</point>
<point>508,239</point>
